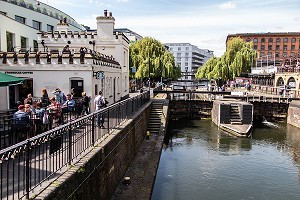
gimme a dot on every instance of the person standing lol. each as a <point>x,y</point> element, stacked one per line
<point>85,103</point>
<point>45,98</point>
<point>59,96</point>
<point>99,104</point>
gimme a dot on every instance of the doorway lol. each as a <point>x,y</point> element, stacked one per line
<point>78,87</point>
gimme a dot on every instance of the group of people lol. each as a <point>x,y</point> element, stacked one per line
<point>55,106</point>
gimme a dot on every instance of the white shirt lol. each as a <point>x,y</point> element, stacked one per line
<point>99,102</point>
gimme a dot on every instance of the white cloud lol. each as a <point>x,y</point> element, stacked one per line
<point>226,6</point>
<point>122,1</point>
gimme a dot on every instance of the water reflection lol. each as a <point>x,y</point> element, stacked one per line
<point>199,159</point>
<point>293,142</point>
<point>216,138</point>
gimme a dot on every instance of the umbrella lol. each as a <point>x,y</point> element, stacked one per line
<point>6,79</point>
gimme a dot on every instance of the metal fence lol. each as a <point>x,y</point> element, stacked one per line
<point>28,166</point>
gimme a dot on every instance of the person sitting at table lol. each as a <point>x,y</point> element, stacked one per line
<point>28,109</point>
<point>39,111</point>
<point>28,100</point>
<point>54,110</point>
<point>21,123</point>
<point>69,105</point>
<point>39,114</point>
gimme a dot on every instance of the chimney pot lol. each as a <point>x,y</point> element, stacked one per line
<point>105,13</point>
<point>110,14</point>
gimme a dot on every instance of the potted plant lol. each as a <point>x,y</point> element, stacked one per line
<point>38,9</point>
<point>22,3</point>
<point>30,6</point>
<point>14,2</point>
<point>51,14</point>
<point>45,11</point>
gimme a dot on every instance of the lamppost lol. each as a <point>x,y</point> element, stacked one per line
<point>149,72</point>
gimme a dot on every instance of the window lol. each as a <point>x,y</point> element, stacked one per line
<point>248,39</point>
<point>285,47</point>
<point>186,54</point>
<point>277,47</point>
<point>171,48</point>
<point>284,54</point>
<point>186,64</point>
<point>35,46</point>
<point>285,40</point>
<point>255,40</point>
<point>270,40</point>
<point>20,19</point>
<point>255,47</point>
<point>278,40</point>
<point>10,41</point>
<point>293,47</point>
<point>178,59</point>
<point>262,47</point>
<point>262,40</point>
<point>178,54</point>
<point>269,47</point>
<point>23,44</point>
<point>293,39</point>
<point>276,55</point>
<point>50,28</point>
<point>179,48</point>
<point>262,54</point>
<point>270,55</point>
<point>186,69</point>
<point>186,59</point>
<point>186,48</point>
<point>37,25</point>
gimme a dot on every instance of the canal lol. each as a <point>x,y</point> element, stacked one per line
<point>201,161</point>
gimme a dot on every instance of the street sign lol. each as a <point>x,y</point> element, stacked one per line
<point>100,75</point>
<point>133,69</point>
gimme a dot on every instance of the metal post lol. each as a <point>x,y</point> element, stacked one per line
<point>27,168</point>
<point>93,129</point>
<point>70,144</point>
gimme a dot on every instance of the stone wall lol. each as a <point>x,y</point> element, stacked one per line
<point>99,172</point>
<point>293,117</point>
<point>247,113</point>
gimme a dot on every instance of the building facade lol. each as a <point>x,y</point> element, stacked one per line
<point>20,21</point>
<point>189,58</point>
<point>272,48</point>
<point>86,61</point>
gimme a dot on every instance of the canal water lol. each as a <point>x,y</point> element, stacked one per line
<point>203,162</point>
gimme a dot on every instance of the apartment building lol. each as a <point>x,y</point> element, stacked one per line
<point>189,57</point>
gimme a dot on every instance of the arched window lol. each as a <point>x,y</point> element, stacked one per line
<point>262,40</point>
<point>270,40</point>
<point>255,40</point>
<point>278,39</point>
<point>248,39</point>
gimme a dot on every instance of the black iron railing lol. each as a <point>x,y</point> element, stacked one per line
<point>28,166</point>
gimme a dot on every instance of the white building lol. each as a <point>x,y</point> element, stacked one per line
<point>85,61</point>
<point>20,21</point>
<point>189,58</point>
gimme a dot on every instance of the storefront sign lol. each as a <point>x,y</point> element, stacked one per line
<point>18,72</point>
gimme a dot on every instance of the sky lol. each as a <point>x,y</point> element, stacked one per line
<point>203,23</point>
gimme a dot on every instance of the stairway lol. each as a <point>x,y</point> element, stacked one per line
<point>155,117</point>
<point>235,114</point>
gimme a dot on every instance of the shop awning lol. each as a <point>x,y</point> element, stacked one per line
<point>6,79</point>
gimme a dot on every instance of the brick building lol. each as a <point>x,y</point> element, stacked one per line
<point>272,45</point>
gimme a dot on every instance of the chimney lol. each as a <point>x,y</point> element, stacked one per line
<point>105,25</point>
<point>63,25</point>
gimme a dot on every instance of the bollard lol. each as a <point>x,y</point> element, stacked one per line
<point>148,135</point>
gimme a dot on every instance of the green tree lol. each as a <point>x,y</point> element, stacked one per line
<point>150,54</point>
<point>237,59</point>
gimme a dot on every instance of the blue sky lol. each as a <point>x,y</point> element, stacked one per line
<point>204,23</point>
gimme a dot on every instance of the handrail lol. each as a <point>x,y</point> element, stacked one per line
<point>26,166</point>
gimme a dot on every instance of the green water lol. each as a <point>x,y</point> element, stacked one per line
<point>204,162</point>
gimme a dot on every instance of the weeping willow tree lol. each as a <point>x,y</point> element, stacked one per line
<point>237,59</point>
<point>151,58</point>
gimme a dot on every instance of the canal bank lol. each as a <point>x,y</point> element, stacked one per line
<point>139,178</point>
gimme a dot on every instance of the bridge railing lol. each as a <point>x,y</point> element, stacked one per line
<point>27,167</point>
